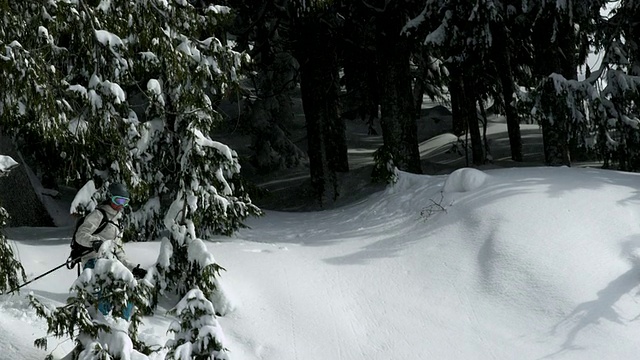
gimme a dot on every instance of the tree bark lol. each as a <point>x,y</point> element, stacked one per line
<point>360,75</point>
<point>318,165</point>
<point>455,93</point>
<point>503,60</point>
<point>471,118</point>
<point>319,86</point>
<point>559,57</point>
<point>399,129</point>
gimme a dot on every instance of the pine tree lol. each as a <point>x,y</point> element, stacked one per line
<point>598,113</point>
<point>268,114</point>
<point>314,26</point>
<point>559,105</point>
<point>184,263</point>
<point>397,108</point>
<point>507,35</point>
<point>114,89</point>
<point>132,92</point>
<point>615,112</point>
<point>197,334</point>
<point>127,91</point>
<point>95,312</point>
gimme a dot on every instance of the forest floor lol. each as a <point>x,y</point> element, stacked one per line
<point>440,151</point>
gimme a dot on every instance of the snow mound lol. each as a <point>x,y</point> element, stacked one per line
<point>465,179</point>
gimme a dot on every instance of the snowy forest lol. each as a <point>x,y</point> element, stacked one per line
<point>110,91</point>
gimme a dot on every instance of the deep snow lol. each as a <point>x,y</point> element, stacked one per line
<point>523,263</point>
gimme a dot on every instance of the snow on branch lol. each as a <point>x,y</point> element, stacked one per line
<point>7,164</point>
<point>107,38</point>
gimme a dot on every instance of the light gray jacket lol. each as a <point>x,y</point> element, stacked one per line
<point>85,235</point>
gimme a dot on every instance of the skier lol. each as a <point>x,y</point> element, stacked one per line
<point>103,224</point>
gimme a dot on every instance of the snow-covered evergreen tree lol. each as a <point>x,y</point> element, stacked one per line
<point>11,271</point>
<point>184,263</point>
<point>597,114</point>
<point>197,334</point>
<point>562,33</point>
<point>616,112</point>
<point>185,70</point>
<point>102,314</point>
<point>127,91</point>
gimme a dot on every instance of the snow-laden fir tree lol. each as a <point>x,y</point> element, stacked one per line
<point>561,36</point>
<point>597,114</point>
<point>616,112</point>
<point>197,334</point>
<point>184,262</point>
<point>103,312</point>
<point>127,91</point>
<point>11,271</point>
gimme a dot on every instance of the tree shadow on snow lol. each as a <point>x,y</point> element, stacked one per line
<point>602,308</point>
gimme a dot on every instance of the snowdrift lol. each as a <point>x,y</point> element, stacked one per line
<point>523,263</point>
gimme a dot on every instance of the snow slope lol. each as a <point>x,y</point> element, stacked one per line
<point>525,263</point>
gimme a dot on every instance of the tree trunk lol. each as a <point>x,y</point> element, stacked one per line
<point>420,78</point>
<point>483,115</point>
<point>319,86</point>
<point>503,61</point>
<point>318,165</point>
<point>399,129</point>
<point>471,118</point>
<point>271,113</point>
<point>555,57</point>
<point>456,95</point>
<point>360,74</point>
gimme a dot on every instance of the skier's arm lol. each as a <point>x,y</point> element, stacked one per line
<point>84,235</point>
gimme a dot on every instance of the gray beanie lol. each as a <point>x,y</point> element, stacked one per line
<point>117,189</point>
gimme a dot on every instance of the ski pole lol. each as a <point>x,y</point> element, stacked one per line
<point>36,278</point>
<point>66,263</point>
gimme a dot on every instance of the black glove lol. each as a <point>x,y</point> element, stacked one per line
<point>139,272</point>
<point>96,245</point>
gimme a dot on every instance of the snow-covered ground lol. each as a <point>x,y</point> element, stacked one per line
<point>514,263</point>
<point>525,263</point>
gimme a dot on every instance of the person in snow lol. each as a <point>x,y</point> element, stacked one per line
<point>103,224</point>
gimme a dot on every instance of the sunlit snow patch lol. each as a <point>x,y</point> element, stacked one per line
<point>465,179</point>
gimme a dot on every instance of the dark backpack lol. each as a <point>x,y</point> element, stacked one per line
<point>78,250</point>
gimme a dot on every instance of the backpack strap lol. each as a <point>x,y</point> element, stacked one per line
<point>103,223</point>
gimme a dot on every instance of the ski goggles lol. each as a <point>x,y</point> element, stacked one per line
<point>120,200</point>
